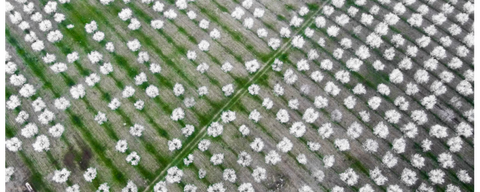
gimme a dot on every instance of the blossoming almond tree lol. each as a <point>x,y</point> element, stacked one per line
<point>310,115</point>
<point>244,159</point>
<point>130,185</point>
<point>121,146</point>
<point>152,91</point>
<point>283,116</point>
<point>13,144</point>
<point>228,90</point>
<point>137,130</point>
<point>215,129</point>
<point>246,187</point>
<point>90,174</point>
<point>371,146</point>
<point>377,176</point>
<point>389,159</point>
<point>228,116</point>
<point>244,130</point>
<point>204,145</point>
<point>29,130</point>
<point>216,187</point>
<point>174,175</point>
<point>203,45</point>
<point>436,176</point>
<point>354,130</point>
<point>188,130</point>
<point>272,157</point>
<point>133,158</point>
<point>255,116</point>
<point>41,143</point>
<point>9,171</point>
<point>229,175</point>
<point>342,144</point>
<point>22,117</point>
<point>160,187</point>
<point>217,159</point>
<point>178,114</point>
<point>61,176</point>
<point>252,66</point>
<point>259,174</point>
<point>349,177</point>
<point>298,129</point>
<point>174,144</point>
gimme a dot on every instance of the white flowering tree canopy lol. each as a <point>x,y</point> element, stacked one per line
<point>215,129</point>
<point>61,176</point>
<point>133,158</point>
<point>252,66</point>
<point>13,144</point>
<point>90,174</point>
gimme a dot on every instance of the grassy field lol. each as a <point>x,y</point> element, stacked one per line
<point>316,35</point>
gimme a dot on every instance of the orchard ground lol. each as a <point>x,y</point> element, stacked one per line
<point>327,63</point>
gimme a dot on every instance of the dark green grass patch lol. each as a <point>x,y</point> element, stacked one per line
<point>68,80</point>
<point>281,18</point>
<point>111,131</point>
<point>314,6</point>
<point>290,7</point>
<point>263,80</point>
<point>264,57</point>
<point>184,32</point>
<point>356,164</point>
<point>159,129</point>
<point>241,81</point>
<point>221,7</point>
<point>123,63</point>
<point>8,93</point>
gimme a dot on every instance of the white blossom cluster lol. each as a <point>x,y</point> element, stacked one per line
<point>9,171</point>
<point>41,143</point>
<point>61,176</point>
<point>133,158</point>
<point>90,174</point>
